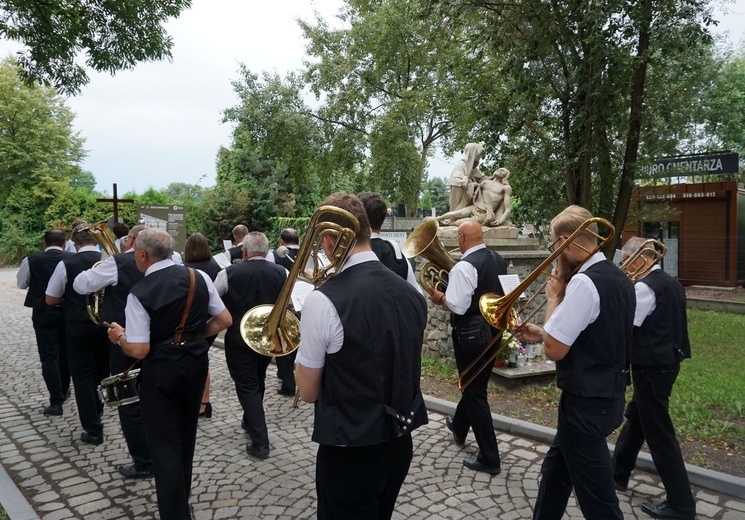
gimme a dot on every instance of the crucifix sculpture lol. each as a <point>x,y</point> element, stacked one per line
<point>116,200</point>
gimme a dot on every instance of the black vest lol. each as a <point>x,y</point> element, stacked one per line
<point>387,255</point>
<point>163,295</point>
<point>596,364</point>
<point>250,283</point>
<point>74,303</point>
<point>41,266</point>
<point>370,389</point>
<point>236,253</point>
<point>286,262</point>
<point>662,338</point>
<point>115,297</point>
<point>489,265</point>
<point>210,267</point>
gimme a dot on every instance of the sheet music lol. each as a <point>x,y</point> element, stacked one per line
<point>300,292</point>
<point>227,244</point>
<point>509,282</point>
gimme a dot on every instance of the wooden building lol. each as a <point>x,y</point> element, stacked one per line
<point>702,225</point>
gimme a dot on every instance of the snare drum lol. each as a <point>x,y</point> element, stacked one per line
<point>119,389</point>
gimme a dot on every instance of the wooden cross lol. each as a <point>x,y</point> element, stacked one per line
<point>116,202</point>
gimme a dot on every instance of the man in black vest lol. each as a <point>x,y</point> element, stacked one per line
<point>169,314</point>
<point>87,347</point>
<point>48,322</point>
<point>660,344</point>
<point>387,252</point>
<point>236,252</point>
<point>289,240</point>
<point>253,282</point>
<point>588,329</point>
<point>117,275</point>
<point>475,274</point>
<point>359,362</point>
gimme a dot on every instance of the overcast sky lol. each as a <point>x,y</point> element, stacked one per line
<point>160,123</point>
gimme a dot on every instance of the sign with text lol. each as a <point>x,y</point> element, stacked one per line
<point>718,163</point>
<point>397,236</point>
<point>168,218</point>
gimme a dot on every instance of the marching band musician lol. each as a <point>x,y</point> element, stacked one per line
<point>660,343</point>
<point>169,314</point>
<point>49,322</point>
<point>87,352</point>
<point>245,285</point>
<point>587,331</point>
<point>475,274</point>
<point>117,274</point>
<point>359,361</point>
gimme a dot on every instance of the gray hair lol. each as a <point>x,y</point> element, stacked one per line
<point>256,243</point>
<point>632,245</point>
<point>157,243</point>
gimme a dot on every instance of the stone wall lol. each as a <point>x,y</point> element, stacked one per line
<point>438,342</point>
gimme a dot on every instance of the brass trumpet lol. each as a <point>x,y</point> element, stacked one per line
<point>273,330</point>
<point>423,242</point>
<point>500,310</point>
<point>651,252</point>
<point>102,235</point>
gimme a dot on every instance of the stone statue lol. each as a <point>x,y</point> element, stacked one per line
<point>465,177</point>
<point>491,203</point>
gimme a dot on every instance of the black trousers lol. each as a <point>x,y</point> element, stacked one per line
<point>286,372</point>
<point>473,410</point>
<point>49,326</point>
<point>361,482</point>
<point>248,371</point>
<point>170,393</point>
<point>648,417</point>
<point>130,414</point>
<point>579,458</point>
<point>88,357</point>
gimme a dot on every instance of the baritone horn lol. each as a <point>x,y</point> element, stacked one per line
<point>423,242</point>
<point>651,252</point>
<point>273,330</point>
<point>103,237</point>
<point>500,311</point>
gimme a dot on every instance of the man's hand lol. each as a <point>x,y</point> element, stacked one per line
<point>115,331</point>
<point>529,333</point>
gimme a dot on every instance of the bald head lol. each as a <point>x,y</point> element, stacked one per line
<point>469,235</point>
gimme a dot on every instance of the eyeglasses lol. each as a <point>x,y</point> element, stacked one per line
<point>553,245</point>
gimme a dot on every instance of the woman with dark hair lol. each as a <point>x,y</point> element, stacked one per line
<point>197,254</point>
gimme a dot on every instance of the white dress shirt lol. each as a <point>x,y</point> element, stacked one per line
<point>92,280</point>
<point>579,308</point>
<point>137,318</point>
<point>58,281</point>
<point>463,280</point>
<point>646,302</point>
<point>23,276</point>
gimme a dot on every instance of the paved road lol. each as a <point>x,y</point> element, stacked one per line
<point>63,478</point>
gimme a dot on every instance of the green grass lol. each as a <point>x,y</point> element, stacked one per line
<point>439,369</point>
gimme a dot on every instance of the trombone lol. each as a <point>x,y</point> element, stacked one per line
<point>273,330</point>
<point>499,311</point>
<point>651,252</point>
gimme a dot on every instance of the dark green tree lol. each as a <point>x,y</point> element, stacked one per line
<point>113,36</point>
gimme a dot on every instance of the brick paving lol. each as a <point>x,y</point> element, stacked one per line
<point>63,478</point>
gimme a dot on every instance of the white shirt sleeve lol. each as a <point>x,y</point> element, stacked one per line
<point>92,280</point>
<point>411,278</point>
<point>646,303</point>
<point>221,282</point>
<point>215,306</point>
<point>580,307</point>
<point>321,331</point>
<point>23,276</point>
<point>56,286</point>
<point>462,283</point>
<point>138,321</point>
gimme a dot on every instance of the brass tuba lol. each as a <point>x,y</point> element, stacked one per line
<point>500,310</point>
<point>102,235</point>
<point>651,252</point>
<point>272,330</point>
<point>423,242</point>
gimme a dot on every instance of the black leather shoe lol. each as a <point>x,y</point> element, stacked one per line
<point>91,439</point>
<point>449,423</point>
<point>663,510</point>
<point>53,409</point>
<point>258,452</point>
<point>286,393</point>
<point>620,486</point>
<point>475,464</point>
<point>129,471</point>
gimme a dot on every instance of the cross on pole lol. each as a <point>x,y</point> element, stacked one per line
<point>116,200</point>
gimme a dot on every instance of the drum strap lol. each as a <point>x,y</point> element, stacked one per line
<point>189,300</point>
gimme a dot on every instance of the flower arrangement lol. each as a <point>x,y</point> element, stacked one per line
<point>510,347</point>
